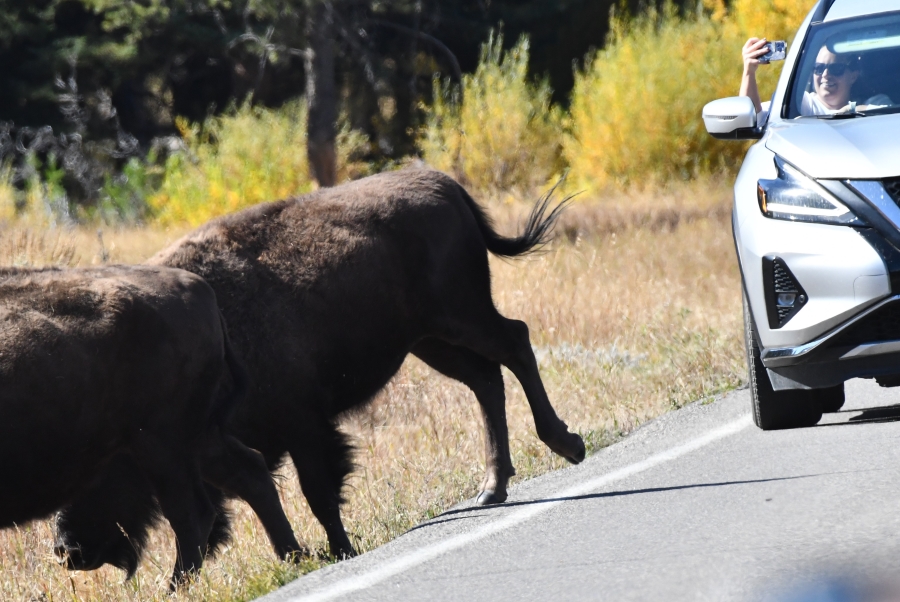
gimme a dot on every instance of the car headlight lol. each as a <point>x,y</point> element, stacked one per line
<point>795,197</point>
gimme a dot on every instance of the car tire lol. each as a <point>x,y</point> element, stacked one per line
<point>830,399</point>
<point>774,410</point>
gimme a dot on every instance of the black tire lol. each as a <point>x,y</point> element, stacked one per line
<point>830,399</point>
<point>774,410</point>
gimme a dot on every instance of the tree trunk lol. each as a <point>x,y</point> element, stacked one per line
<point>321,95</point>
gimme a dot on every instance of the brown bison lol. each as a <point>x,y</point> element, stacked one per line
<point>325,296</point>
<point>99,363</point>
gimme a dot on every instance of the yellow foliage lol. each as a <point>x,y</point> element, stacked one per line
<point>245,157</point>
<point>504,134</point>
<point>248,156</point>
<point>7,194</point>
<point>772,19</point>
<point>42,204</point>
<point>635,110</point>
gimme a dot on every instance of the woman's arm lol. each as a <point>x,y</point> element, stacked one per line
<point>752,50</point>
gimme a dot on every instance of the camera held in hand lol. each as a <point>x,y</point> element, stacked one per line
<point>777,52</point>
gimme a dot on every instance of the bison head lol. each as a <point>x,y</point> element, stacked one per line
<point>109,523</point>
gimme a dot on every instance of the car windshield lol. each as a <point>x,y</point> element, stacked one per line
<point>848,68</point>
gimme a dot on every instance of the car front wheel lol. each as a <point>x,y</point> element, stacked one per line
<point>773,410</point>
<point>830,399</point>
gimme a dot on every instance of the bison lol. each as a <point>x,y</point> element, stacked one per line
<point>125,363</point>
<point>326,294</point>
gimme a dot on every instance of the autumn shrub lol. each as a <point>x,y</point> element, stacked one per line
<point>8,194</point>
<point>232,161</point>
<point>246,156</point>
<point>636,105</point>
<point>501,132</point>
<point>33,196</point>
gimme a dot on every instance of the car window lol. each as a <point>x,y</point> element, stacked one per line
<point>848,67</point>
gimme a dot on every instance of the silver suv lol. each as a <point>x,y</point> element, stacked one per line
<point>817,215</point>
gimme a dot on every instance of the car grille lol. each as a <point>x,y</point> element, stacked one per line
<point>881,325</point>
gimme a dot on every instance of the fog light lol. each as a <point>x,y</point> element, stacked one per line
<point>784,295</point>
<point>786,299</point>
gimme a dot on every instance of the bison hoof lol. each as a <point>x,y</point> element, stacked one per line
<point>343,553</point>
<point>295,555</point>
<point>570,446</point>
<point>486,498</point>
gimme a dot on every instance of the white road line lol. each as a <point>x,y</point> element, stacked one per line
<point>423,555</point>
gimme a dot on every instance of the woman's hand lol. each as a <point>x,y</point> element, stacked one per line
<point>752,50</point>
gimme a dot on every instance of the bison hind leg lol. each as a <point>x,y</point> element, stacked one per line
<point>479,327</point>
<point>484,378</point>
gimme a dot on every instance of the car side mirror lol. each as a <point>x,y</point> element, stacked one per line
<point>732,118</point>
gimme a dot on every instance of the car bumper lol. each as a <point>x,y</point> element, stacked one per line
<point>866,346</point>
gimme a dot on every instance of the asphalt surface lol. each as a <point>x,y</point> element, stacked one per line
<point>696,505</point>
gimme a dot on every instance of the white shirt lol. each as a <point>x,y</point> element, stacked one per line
<point>813,105</point>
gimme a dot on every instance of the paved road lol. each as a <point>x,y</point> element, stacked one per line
<point>696,505</point>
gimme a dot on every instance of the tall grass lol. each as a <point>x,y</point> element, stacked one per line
<point>503,133</point>
<point>626,325</point>
<point>635,110</point>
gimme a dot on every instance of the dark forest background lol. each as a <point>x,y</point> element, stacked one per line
<point>124,69</point>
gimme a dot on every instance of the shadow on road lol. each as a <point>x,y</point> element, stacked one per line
<point>882,414</point>
<point>879,414</point>
<point>448,515</point>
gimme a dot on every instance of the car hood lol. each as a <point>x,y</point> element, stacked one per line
<point>860,148</point>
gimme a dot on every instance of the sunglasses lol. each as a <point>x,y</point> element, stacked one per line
<point>835,69</point>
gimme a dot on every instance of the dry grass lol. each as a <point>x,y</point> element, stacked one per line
<point>628,323</point>
<point>36,247</point>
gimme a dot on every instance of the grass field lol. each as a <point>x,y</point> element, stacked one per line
<point>634,311</point>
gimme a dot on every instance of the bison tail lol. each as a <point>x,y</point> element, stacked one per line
<point>240,381</point>
<point>538,227</point>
